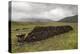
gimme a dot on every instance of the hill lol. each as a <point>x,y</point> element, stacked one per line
<point>34,20</point>
<point>72,19</point>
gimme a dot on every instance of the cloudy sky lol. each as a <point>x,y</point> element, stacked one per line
<point>42,10</point>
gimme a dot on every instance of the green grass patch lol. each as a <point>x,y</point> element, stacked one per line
<point>58,42</point>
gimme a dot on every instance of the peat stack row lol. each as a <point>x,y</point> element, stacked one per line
<point>41,33</point>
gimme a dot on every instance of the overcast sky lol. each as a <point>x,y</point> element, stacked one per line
<point>42,10</point>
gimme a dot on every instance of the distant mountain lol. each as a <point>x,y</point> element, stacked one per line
<point>34,20</point>
<point>72,19</point>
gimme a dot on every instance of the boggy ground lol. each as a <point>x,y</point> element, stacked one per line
<point>59,42</point>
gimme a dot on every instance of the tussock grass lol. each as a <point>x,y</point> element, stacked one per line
<point>58,42</point>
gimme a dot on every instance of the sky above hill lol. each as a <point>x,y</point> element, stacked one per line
<point>51,11</point>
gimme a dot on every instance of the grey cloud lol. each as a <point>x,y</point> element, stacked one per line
<point>42,10</point>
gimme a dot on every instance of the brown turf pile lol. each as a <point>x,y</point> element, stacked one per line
<point>41,33</point>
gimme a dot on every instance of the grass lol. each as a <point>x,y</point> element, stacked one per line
<point>58,42</point>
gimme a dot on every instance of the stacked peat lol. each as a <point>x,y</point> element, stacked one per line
<point>20,37</point>
<point>41,33</point>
